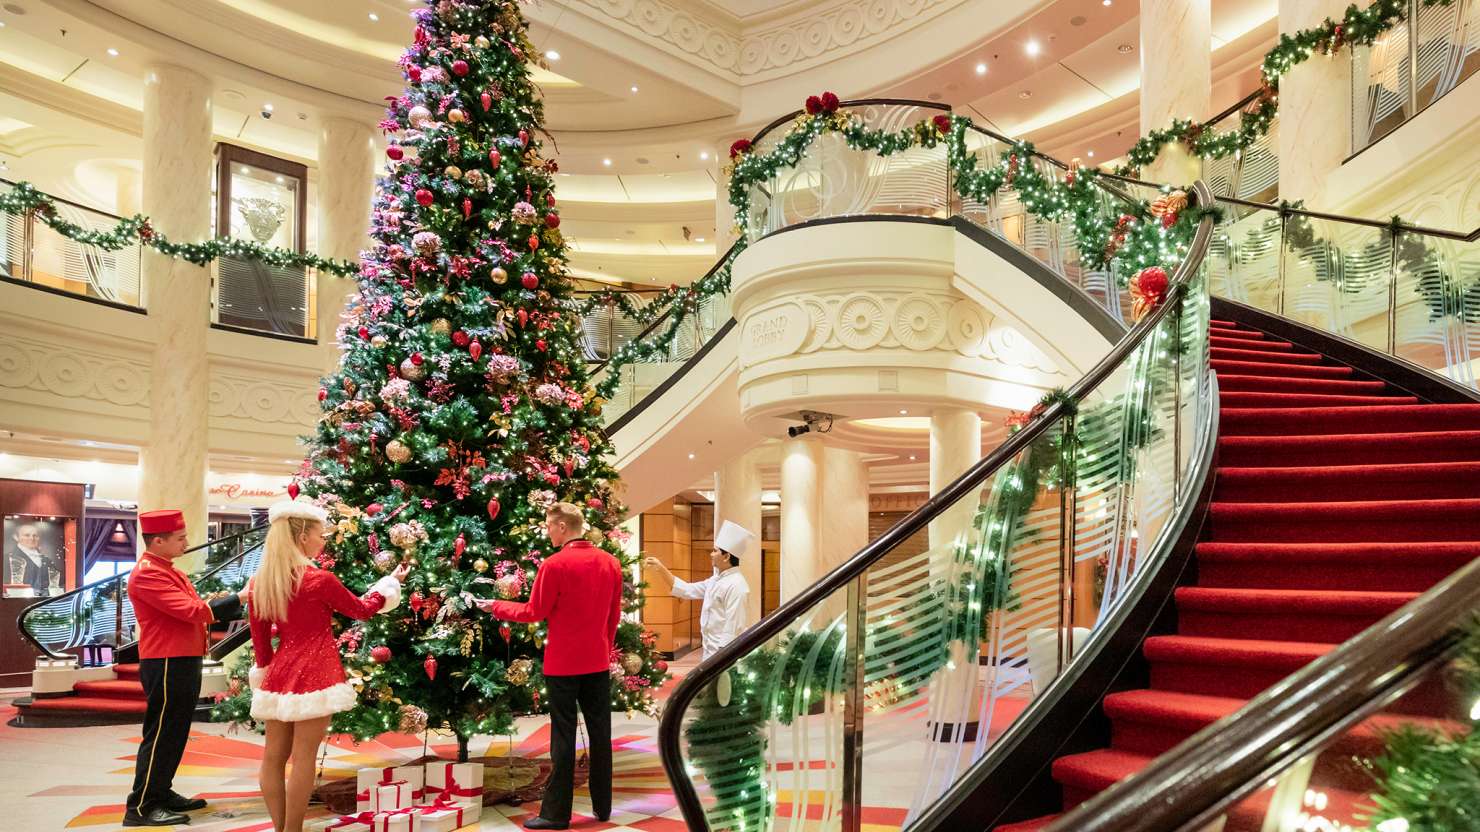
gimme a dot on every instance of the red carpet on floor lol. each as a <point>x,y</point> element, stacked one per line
<point>1337,501</point>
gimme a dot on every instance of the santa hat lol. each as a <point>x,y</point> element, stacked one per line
<point>303,510</point>
<point>733,539</point>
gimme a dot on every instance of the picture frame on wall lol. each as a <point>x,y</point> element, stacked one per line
<point>37,552</point>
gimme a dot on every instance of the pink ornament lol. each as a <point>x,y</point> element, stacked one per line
<point>373,509</point>
<point>459,67</point>
<point>530,280</point>
<point>594,502</point>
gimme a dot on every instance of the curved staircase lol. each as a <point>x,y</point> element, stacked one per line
<point>1338,499</point>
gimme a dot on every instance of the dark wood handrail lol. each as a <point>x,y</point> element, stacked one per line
<point>670,728</point>
<point>20,621</point>
<point>1188,786</point>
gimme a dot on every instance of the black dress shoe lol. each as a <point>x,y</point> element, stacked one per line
<point>538,822</point>
<point>604,816</point>
<point>180,803</point>
<point>158,816</point>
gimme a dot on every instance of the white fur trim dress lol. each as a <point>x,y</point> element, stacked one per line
<point>302,677</point>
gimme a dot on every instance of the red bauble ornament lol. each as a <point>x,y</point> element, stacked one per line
<point>530,281</point>
<point>459,68</point>
<point>395,152</point>
<point>494,158</point>
<point>570,467</point>
<point>430,666</point>
<point>373,509</point>
<point>594,502</point>
<point>460,338</point>
<point>550,200</point>
<point>540,345</point>
<point>552,219</point>
<point>475,349</point>
<point>486,100</point>
<point>323,394</point>
<point>380,654</point>
<point>505,631</point>
<point>363,333</point>
<point>424,197</point>
<point>459,546</point>
<point>292,490</point>
<point>524,138</point>
<point>493,508</point>
<point>534,242</point>
<point>417,359</point>
<point>523,318</point>
<point>467,208</point>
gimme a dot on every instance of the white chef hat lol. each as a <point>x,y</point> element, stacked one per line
<point>296,508</point>
<point>733,539</point>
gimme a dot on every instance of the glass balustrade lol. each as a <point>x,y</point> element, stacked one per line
<point>874,691</point>
<point>32,252</point>
<point>1413,65</point>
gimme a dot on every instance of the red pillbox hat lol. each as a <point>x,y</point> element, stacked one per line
<point>161,522</point>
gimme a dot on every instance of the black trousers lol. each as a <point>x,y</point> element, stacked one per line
<point>173,687</point>
<point>592,691</point>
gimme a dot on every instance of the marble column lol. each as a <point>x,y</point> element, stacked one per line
<point>955,445</point>
<point>737,498</point>
<point>177,198</point>
<point>1315,132</point>
<point>346,183</point>
<point>1176,78</point>
<point>724,212</point>
<point>824,515</point>
<point>127,190</point>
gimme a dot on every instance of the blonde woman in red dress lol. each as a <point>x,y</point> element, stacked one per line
<point>299,684</point>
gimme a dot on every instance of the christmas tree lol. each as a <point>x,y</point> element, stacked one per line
<point>462,408</point>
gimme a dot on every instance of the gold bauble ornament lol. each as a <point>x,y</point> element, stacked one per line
<point>453,172</point>
<point>518,671</point>
<point>499,276</point>
<point>397,452</point>
<point>480,565</point>
<point>412,371</point>
<point>474,178</point>
<point>632,663</point>
<point>377,341</point>
<point>442,326</point>
<point>456,116</point>
<point>481,42</point>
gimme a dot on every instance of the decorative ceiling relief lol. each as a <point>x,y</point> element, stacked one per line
<point>674,26</point>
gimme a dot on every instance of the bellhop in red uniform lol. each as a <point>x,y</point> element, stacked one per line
<point>173,622</point>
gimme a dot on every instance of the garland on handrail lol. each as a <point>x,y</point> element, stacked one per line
<point>25,199</point>
<point>1359,27</point>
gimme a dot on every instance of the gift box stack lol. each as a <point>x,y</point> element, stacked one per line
<point>436,797</point>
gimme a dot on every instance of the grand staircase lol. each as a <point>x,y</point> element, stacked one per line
<point>1337,500</point>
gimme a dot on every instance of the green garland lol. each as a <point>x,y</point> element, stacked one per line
<point>1429,780</point>
<point>25,199</point>
<point>1357,27</point>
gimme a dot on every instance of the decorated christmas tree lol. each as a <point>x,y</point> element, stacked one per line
<point>462,408</point>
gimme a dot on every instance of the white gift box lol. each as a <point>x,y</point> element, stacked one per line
<point>367,778</point>
<point>398,821</point>
<point>445,817</point>
<point>389,797</point>
<point>460,782</point>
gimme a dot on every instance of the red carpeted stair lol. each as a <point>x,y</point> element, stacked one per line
<point>1336,502</point>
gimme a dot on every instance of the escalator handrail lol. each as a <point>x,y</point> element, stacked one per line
<point>1187,786</point>
<point>20,621</point>
<point>670,726</point>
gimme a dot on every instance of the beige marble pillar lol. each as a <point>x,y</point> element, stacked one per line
<point>1315,132</point>
<point>177,198</point>
<point>1176,78</point>
<point>128,191</point>
<point>737,498</point>
<point>346,183</point>
<point>724,212</point>
<point>955,445</point>
<point>801,512</point>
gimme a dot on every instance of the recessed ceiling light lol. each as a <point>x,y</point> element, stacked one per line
<point>1124,48</point>
<point>606,162</point>
<point>1032,48</point>
<point>1091,154</point>
<point>267,107</point>
<point>1025,94</point>
<point>374,18</point>
<point>981,69</point>
<point>703,155</point>
<point>634,88</point>
<point>698,239</point>
<point>904,413</point>
<point>552,55</point>
<point>912,457</point>
<point>281,180</point>
<point>691,456</point>
<point>112,53</point>
<point>1105,2</point>
<point>246,169</point>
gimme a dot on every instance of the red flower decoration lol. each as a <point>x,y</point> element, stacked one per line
<point>942,123</point>
<point>740,146</point>
<point>1148,290</point>
<point>814,105</point>
<point>830,103</point>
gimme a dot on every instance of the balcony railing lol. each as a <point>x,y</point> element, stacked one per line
<point>1412,66</point>
<point>31,252</point>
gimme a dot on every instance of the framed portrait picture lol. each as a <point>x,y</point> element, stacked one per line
<point>37,550</point>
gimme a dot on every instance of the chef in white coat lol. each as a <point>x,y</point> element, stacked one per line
<point>722,615</point>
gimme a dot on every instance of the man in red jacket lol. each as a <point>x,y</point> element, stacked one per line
<point>579,591</point>
<point>173,623</point>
